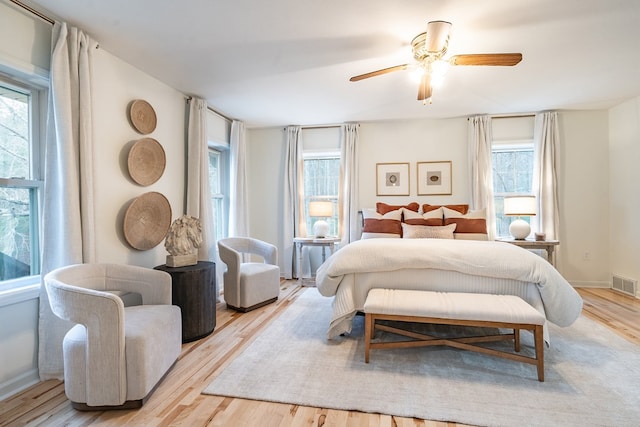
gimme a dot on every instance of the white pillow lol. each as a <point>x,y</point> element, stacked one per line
<point>427,231</point>
<point>450,213</point>
<point>436,213</point>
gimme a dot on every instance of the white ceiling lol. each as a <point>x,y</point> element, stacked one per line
<point>278,62</point>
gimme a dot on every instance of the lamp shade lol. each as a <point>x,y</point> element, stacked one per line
<point>322,209</point>
<point>520,205</point>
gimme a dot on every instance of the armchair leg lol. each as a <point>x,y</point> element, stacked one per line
<point>129,404</point>
<point>253,307</point>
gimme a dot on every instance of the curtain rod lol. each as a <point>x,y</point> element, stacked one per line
<point>33,11</point>
<point>515,116</point>
<point>316,127</point>
<point>512,116</point>
<point>189,98</point>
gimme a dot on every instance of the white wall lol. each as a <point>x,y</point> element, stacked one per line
<point>25,44</point>
<point>413,141</point>
<point>583,187</point>
<point>624,189</point>
<point>116,84</point>
<point>265,158</point>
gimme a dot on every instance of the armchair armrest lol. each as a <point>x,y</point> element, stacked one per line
<point>266,250</point>
<point>153,285</point>
<point>232,259</point>
<point>102,314</point>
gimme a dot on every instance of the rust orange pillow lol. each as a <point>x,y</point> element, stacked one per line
<point>463,209</point>
<point>383,208</point>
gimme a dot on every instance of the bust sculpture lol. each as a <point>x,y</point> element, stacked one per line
<point>182,241</point>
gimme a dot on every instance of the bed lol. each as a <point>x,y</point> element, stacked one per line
<point>436,264</point>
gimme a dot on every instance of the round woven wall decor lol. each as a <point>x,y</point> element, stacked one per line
<point>147,221</point>
<point>142,116</point>
<point>146,161</point>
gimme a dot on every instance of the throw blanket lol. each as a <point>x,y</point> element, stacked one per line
<point>562,304</point>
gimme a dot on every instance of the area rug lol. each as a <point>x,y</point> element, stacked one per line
<point>592,376</point>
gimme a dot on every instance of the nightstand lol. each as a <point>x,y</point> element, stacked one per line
<point>548,245</point>
<point>324,242</point>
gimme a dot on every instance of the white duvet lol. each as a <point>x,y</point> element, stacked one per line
<point>442,264</point>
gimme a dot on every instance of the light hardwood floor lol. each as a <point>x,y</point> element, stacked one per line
<point>178,401</point>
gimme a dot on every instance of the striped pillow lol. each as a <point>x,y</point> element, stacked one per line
<point>472,226</point>
<point>432,218</point>
<point>381,225</point>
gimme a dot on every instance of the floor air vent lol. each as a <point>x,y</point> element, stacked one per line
<point>625,285</point>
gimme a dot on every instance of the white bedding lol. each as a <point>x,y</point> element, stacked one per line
<point>442,265</point>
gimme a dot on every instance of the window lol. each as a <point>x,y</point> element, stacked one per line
<point>218,188</point>
<point>20,183</point>
<point>321,183</point>
<point>512,174</point>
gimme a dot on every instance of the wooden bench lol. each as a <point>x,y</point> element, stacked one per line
<point>461,309</point>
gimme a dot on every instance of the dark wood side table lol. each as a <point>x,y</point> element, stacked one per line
<point>194,291</point>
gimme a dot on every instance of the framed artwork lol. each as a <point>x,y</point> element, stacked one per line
<point>434,178</point>
<point>392,179</point>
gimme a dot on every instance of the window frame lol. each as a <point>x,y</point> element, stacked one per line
<point>335,199</point>
<point>34,183</point>
<point>509,146</point>
<point>222,223</point>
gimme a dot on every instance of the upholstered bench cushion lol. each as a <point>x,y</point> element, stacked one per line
<point>480,310</point>
<point>448,305</point>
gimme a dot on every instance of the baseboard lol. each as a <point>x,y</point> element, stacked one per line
<point>586,284</point>
<point>19,383</point>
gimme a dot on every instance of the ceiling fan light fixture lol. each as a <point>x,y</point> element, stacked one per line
<point>438,71</point>
<point>429,49</point>
<point>416,72</point>
<point>437,37</point>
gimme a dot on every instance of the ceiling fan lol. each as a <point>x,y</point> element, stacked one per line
<point>429,49</point>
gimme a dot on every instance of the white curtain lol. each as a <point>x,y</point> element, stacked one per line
<point>68,235</point>
<point>292,200</point>
<point>480,169</point>
<point>197,188</point>
<point>348,200</point>
<point>546,138</point>
<point>239,195</point>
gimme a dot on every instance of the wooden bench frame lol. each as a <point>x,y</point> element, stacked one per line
<point>464,343</point>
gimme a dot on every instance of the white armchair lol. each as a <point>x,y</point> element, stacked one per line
<point>249,285</point>
<point>115,355</point>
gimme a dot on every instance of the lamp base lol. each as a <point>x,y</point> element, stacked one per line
<point>519,229</point>
<point>321,228</point>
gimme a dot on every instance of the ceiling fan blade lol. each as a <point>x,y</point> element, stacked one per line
<point>437,37</point>
<point>379,72</point>
<point>503,59</point>
<point>425,90</point>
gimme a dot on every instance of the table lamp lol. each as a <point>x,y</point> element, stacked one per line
<point>321,209</point>
<point>519,206</point>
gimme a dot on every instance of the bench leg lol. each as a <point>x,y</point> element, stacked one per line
<point>368,332</point>
<point>516,340</point>
<point>539,342</point>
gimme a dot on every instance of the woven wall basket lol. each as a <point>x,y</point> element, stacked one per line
<point>146,161</point>
<point>147,221</point>
<point>142,116</point>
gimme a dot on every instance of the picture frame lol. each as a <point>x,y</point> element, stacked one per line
<point>434,178</point>
<point>392,179</point>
